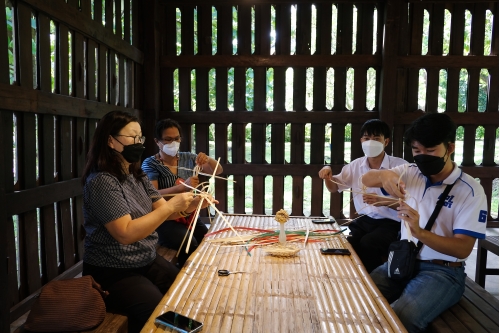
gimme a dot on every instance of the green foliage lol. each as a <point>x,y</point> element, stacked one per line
<point>10,43</point>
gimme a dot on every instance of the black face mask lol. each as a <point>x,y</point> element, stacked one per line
<point>132,153</point>
<point>430,165</point>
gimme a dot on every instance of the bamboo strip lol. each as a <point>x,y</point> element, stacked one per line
<point>269,321</point>
<point>364,317</point>
<point>171,299</point>
<point>262,301</point>
<point>237,265</point>
<point>337,276</point>
<point>317,280</point>
<point>211,281</point>
<point>305,290</point>
<point>330,284</point>
<point>235,288</point>
<point>377,321</point>
<point>343,284</point>
<point>264,315</point>
<point>279,319</point>
<point>214,312</point>
<point>199,270</point>
<point>358,314</point>
<point>383,305</point>
<point>300,318</point>
<point>252,304</point>
<point>203,279</point>
<point>244,304</point>
<point>344,324</point>
<point>198,260</point>
<point>287,311</point>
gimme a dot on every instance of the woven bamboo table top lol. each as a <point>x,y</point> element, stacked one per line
<point>309,292</point>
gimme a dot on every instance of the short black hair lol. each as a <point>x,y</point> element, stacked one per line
<point>163,125</point>
<point>375,127</point>
<point>431,130</point>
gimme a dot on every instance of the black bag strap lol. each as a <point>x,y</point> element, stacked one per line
<point>435,213</point>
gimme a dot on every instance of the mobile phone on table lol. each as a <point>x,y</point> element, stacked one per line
<point>179,322</point>
<point>327,220</point>
<point>344,252</point>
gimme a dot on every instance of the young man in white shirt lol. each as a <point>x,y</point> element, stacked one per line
<point>376,227</point>
<point>439,280</point>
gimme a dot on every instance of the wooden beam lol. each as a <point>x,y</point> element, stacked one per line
<point>479,171</point>
<point>210,61</point>
<point>59,11</point>
<point>250,169</point>
<point>23,201</point>
<point>246,117</point>
<point>17,98</point>
<point>318,117</point>
<point>460,118</point>
<point>312,170</point>
<point>449,61</point>
<point>257,2</point>
<point>447,1</point>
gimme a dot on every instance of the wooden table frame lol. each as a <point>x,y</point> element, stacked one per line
<point>306,293</point>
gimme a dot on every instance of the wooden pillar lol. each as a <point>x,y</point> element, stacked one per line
<point>387,101</point>
<point>151,37</point>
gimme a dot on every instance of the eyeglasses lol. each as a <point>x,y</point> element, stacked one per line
<point>170,140</point>
<point>137,138</point>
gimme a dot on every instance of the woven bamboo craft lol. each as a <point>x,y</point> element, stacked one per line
<point>309,292</point>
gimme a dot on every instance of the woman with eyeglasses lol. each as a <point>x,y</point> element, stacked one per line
<point>121,213</point>
<point>167,170</point>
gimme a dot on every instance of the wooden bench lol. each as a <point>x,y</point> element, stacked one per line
<point>476,312</point>
<point>113,322</point>
<point>490,243</point>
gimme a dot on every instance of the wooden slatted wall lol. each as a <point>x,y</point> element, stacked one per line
<point>397,62</point>
<point>260,61</point>
<point>49,126</point>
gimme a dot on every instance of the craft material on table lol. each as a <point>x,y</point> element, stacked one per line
<point>308,292</point>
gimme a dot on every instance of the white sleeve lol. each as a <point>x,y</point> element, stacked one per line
<point>344,177</point>
<point>472,216</point>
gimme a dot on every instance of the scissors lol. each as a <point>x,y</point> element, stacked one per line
<point>225,272</point>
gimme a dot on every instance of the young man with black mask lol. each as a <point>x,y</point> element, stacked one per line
<point>439,280</point>
<point>377,226</point>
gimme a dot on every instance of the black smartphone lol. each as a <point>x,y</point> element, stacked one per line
<point>335,251</point>
<point>179,322</point>
<point>326,220</point>
<point>323,221</point>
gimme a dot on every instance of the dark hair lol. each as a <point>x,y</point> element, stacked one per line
<point>431,130</point>
<point>101,157</point>
<point>163,125</point>
<point>375,127</point>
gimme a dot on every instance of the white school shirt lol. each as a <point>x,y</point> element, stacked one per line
<point>350,176</point>
<point>464,211</point>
